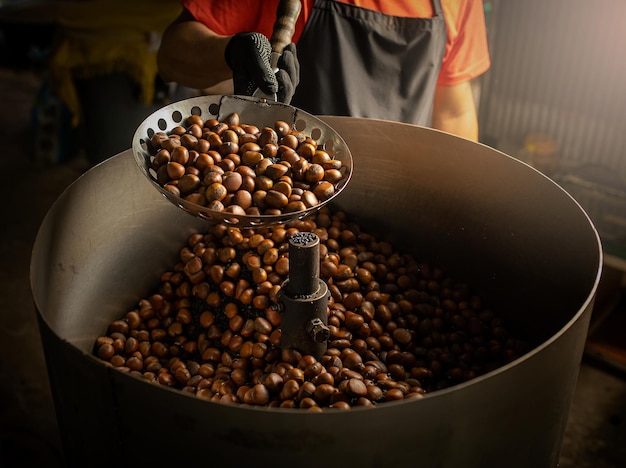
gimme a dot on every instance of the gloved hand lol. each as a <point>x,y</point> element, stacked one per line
<point>288,74</point>
<point>248,55</point>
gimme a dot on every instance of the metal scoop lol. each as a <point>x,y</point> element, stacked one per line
<point>253,111</point>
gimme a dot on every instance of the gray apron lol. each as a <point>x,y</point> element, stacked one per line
<point>363,63</point>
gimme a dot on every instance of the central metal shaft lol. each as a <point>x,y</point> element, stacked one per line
<point>304,298</point>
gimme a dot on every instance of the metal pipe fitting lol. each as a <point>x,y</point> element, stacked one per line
<point>304,298</point>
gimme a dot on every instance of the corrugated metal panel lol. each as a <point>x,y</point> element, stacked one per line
<point>558,68</point>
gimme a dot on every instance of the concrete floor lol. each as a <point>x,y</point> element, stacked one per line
<point>595,436</point>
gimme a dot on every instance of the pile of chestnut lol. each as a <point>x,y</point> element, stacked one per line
<point>229,166</point>
<point>399,328</point>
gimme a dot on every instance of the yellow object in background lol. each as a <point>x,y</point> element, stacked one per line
<point>542,152</point>
<point>99,37</point>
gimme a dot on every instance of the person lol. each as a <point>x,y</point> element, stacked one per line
<point>406,61</point>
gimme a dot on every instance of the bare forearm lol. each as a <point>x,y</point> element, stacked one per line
<point>192,55</point>
<point>454,111</point>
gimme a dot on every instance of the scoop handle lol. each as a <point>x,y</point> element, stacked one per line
<point>286,15</point>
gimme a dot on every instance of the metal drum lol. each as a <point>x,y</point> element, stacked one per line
<point>521,241</point>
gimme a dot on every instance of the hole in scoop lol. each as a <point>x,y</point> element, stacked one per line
<point>233,221</point>
<point>316,133</point>
<point>300,125</point>
<point>177,116</point>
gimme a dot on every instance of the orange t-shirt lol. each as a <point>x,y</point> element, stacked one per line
<point>466,55</point>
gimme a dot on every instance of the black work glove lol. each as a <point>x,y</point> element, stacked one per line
<point>248,55</point>
<point>288,74</point>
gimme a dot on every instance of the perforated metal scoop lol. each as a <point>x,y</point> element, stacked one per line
<point>252,111</point>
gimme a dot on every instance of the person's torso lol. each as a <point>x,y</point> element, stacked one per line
<point>226,18</point>
<point>361,58</point>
